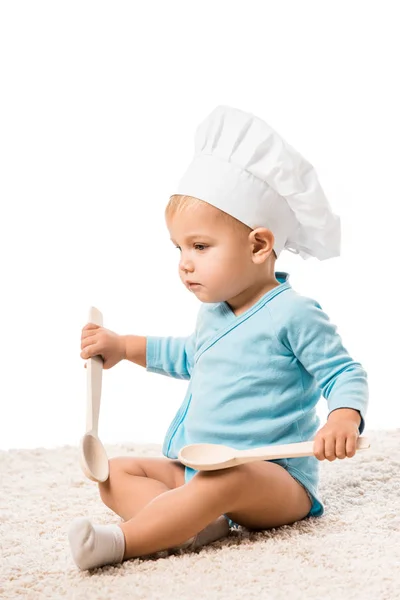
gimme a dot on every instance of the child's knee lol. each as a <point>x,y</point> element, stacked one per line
<point>108,488</point>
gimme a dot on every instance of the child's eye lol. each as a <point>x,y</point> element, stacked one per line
<point>197,246</point>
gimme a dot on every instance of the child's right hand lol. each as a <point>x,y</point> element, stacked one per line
<point>98,341</point>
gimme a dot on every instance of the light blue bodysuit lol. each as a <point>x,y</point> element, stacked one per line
<point>255,379</point>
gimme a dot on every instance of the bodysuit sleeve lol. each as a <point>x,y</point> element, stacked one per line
<point>316,344</point>
<point>170,356</point>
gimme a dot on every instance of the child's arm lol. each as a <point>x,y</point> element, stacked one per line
<point>135,349</point>
<point>171,356</point>
<point>314,341</point>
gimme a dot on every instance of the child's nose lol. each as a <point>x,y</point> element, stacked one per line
<point>185,265</point>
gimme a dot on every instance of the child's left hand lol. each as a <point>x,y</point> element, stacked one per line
<point>336,439</point>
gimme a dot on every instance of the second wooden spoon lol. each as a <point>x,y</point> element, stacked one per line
<point>209,457</point>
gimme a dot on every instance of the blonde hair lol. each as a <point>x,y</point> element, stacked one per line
<point>179,202</point>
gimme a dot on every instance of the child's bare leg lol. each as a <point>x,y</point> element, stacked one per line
<point>95,545</point>
<point>130,494</point>
<point>176,515</point>
<point>259,495</point>
<point>135,481</point>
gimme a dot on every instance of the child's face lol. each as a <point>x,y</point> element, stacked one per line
<point>217,257</point>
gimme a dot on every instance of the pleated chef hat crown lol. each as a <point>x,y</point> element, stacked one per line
<point>244,168</point>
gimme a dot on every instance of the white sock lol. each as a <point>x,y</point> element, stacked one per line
<point>95,545</point>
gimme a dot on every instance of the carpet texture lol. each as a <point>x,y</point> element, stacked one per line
<point>351,552</point>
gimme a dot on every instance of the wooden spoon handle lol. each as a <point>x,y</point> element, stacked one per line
<point>290,450</point>
<point>94,367</point>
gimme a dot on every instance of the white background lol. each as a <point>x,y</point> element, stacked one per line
<point>99,104</point>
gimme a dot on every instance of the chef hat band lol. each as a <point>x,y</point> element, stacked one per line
<point>244,168</point>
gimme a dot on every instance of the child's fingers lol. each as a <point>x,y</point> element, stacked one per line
<point>89,333</point>
<point>88,339</point>
<point>89,329</point>
<point>91,326</point>
<point>90,350</point>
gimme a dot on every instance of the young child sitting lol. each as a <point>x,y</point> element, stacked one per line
<point>257,361</point>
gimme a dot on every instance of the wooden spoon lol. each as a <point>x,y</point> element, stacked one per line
<point>209,457</point>
<point>92,455</point>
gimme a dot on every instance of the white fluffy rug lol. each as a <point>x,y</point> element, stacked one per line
<point>351,552</point>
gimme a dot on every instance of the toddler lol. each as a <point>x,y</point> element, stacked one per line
<point>257,361</point>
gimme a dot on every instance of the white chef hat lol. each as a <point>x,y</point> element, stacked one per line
<point>244,168</point>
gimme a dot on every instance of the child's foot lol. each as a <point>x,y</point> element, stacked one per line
<point>95,545</point>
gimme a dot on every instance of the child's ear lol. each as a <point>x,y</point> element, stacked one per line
<point>262,243</point>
